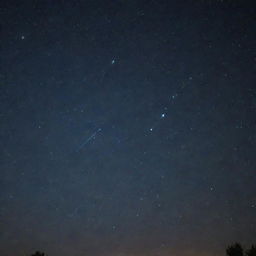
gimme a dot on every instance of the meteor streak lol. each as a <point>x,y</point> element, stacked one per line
<point>88,139</point>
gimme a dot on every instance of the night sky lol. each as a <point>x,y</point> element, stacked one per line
<point>127,128</point>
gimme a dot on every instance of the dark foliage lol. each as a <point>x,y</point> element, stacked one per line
<point>251,251</point>
<point>235,250</point>
<point>38,253</point>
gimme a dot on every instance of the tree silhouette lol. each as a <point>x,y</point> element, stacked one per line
<point>235,250</point>
<point>38,253</point>
<point>251,251</point>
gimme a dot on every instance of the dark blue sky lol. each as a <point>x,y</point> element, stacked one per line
<point>127,128</point>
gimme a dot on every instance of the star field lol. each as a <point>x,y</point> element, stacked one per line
<point>127,128</point>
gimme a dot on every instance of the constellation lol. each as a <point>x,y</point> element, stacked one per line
<point>163,115</point>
